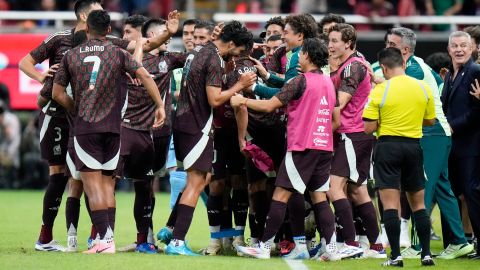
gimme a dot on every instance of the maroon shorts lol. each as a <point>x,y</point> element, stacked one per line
<point>71,170</point>
<point>352,156</point>
<point>97,152</point>
<point>194,151</point>
<point>161,145</point>
<point>53,138</point>
<point>226,154</point>
<point>136,153</point>
<point>305,170</point>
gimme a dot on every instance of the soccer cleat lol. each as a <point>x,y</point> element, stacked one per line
<point>348,251</point>
<point>375,254</point>
<point>214,248</point>
<point>227,244</point>
<point>91,242</point>
<point>398,262</point>
<point>455,251</point>
<point>330,253</point>
<point>128,248</point>
<point>102,246</point>
<point>177,248</point>
<point>146,248</point>
<point>364,242</point>
<point>286,247</point>
<point>50,246</point>
<point>299,252</point>
<point>411,253</point>
<point>404,236</point>
<point>72,245</point>
<point>314,251</point>
<point>238,241</point>
<point>262,251</point>
<point>434,236</point>
<point>165,235</point>
<point>427,261</point>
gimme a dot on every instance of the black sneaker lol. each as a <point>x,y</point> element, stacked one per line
<point>398,262</point>
<point>474,256</point>
<point>427,261</point>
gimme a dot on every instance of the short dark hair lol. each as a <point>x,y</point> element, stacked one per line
<point>79,37</point>
<point>275,20</point>
<point>98,21</point>
<point>329,18</point>
<point>274,38</point>
<point>136,20</point>
<point>150,23</point>
<point>390,57</point>
<point>302,23</point>
<point>348,33</point>
<point>190,22</point>
<point>81,5</point>
<point>438,60</point>
<point>206,25</point>
<point>317,51</point>
<point>237,33</point>
<point>474,32</point>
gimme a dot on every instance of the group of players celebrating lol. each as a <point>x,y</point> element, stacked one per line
<point>257,134</point>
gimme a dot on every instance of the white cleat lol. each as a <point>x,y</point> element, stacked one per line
<point>214,248</point>
<point>262,251</point>
<point>330,253</point>
<point>300,252</point>
<point>72,245</point>
<point>348,251</point>
<point>404,234</point>
<point>51,246</point>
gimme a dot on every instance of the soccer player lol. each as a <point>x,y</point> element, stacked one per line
<point>351,161</point>
<point>313,116</point>
<point>55,129</point>
<point>272,44</point>
<point>228,161</point>
<point>403,104</point>
<point>137,150</point>
<point>273,27</point>
<point>97,104</point>
<point>435,143</point>
<point>202,90</point>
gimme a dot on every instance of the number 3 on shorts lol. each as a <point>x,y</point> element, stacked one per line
<point>96,66</point>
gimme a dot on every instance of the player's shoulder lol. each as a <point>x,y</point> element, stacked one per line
<point>58,36</point>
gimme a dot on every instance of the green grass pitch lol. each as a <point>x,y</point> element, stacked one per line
<point>20,220</point>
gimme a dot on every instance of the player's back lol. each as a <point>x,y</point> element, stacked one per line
<point>97,73</point>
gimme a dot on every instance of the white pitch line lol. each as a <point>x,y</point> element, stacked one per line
<point>296,265</point>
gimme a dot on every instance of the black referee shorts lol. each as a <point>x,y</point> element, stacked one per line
<point>398,164</point>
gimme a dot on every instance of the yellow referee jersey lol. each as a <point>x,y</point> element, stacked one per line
<point>400,105</point>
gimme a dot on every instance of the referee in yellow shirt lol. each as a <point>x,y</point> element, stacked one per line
<point>396,110</point>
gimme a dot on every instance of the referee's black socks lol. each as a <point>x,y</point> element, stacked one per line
<point>392,226</point>
<point>422,225</point>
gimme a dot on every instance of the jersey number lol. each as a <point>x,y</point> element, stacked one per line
<point>96,66</point>
<point>59,134</point>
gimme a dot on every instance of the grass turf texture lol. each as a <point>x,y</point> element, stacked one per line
<point>21,219</point>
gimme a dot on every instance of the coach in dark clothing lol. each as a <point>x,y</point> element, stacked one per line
<point>463,114</point>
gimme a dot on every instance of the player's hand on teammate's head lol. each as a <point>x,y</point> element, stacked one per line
<point>475,89</point>
<point>159,117</point>
<point>217,30</point>
<point>261,70</point>
<point>173,22</point>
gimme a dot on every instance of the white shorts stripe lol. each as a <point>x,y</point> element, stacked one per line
<point>351,158</point>
<point>46,122</point>
<point>198,149</point>
<point>325,187</point>
<point>71,166</point>
<point>91,162</point>
<point>293,174</point>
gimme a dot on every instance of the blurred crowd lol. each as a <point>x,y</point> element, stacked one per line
<point>370,8</point>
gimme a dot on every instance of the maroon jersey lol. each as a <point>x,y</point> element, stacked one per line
<point>204,67</point>
<point>54,48</point>
<point>224,116</point>
<point>140,111</point>
<point>96,71</point>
